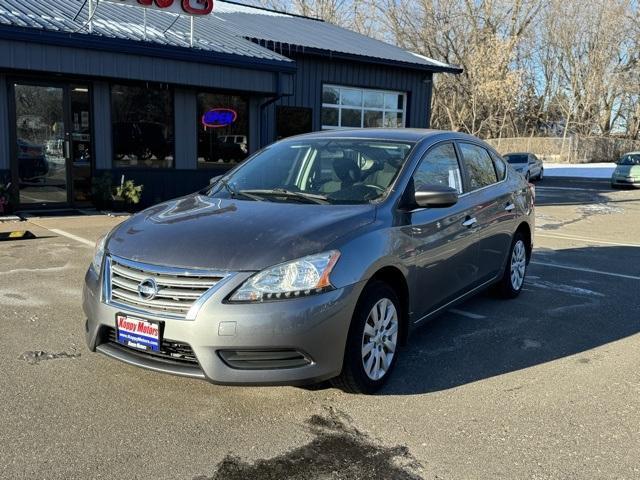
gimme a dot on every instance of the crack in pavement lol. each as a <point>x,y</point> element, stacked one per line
<point>36,356</point>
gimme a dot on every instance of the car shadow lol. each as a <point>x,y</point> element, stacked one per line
<point>561,313</point>
<point>595,195</point>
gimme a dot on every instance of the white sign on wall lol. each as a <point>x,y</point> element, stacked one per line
<point>183,7</point>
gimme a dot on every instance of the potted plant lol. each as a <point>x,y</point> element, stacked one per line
<point>127,195</point>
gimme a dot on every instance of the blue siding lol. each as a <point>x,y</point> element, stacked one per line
<point>36,57</point>
<point>102,124</point>
<point>186,129</point>
<point>4,125</point>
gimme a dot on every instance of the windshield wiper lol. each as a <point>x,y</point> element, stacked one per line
<point>307,197</point>
<point>238,193</point>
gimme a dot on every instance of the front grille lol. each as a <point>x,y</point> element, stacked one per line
<point>177,289</point>
<point>169,349</point>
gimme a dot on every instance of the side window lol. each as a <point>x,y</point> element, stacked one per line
<point>439,167</point>
<point>479,166</point>
<point>501,168</point>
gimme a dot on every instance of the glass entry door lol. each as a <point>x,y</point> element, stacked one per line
<point>40,132</point>
<point>52,160</point>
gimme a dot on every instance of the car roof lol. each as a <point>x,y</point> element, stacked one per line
<point>631,153</point>
<point>392,134</point>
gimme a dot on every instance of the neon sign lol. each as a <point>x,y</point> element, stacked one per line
<point>190,7</point>
<point>219,117</point>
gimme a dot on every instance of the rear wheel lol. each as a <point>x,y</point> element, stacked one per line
<point>512,281</point>
<point>372,344</point>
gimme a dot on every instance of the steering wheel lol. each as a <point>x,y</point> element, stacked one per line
<point>377,187</point>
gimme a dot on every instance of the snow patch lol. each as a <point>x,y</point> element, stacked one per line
<point>581,170</point>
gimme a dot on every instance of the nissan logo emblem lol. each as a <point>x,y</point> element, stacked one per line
<point>148,289</point>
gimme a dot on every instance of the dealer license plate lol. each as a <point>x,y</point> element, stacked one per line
<point>137,333</point>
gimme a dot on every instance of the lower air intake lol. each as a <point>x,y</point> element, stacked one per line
<point>264,359</point>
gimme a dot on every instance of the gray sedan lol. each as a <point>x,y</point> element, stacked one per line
<point>527,164</point>
<point>315,259</point>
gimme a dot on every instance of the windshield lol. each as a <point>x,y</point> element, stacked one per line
<point>329,171</point>
<point>516,158</point>
<point>630,159</point>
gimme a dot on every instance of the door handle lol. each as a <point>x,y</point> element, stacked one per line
<point>470,222</point>
<point>509,207</point>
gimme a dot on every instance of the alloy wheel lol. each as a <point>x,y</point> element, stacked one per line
<point>518,265</point>
<point>379,339</point>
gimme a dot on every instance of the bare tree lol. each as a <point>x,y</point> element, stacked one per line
<point>531,67</point>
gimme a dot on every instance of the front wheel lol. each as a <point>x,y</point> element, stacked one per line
<point>512,281</point>
<point>372,345</point>
<point>541,176</point>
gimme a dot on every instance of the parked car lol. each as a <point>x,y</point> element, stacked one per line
<point>240,140</point>
<point>228,148</point>
<point>315,259</point>
<point>527,164</point>
<point>627,172</point>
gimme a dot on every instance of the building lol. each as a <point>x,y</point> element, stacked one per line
<point>89,89</point>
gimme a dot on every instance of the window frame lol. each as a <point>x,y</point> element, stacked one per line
<point>410,185</point>
<point>164,86</point>
<point>457,155</point>
<point>497,158</point>
<point>361,108</point>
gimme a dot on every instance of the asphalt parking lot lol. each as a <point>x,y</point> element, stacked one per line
<point>543,387</point>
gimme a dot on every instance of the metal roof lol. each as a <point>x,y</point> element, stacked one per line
<point>285,33</point>
<point>125,22</point>
<point>232,30</point>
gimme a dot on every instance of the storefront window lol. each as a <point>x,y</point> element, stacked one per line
<point>347,107</point>
<point>223,126</point>
<point>142,126</point>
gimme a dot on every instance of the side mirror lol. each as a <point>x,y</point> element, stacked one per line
<point>213,180</point>
<point>436,196</point>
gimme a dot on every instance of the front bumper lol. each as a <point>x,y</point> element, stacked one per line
<point>317,326</point>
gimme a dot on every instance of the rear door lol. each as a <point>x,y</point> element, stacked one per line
<point>445,246</point>
<point>494,210</point>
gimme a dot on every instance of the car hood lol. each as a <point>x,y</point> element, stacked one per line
<point>628,170</point>
<point>202,232</point>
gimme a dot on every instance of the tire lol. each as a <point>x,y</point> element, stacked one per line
<point>365,372</point>
<point>541,175</point>
<point>511,283</point>
<point>527,177</point>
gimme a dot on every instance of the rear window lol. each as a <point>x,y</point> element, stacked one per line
<point>516,158</point>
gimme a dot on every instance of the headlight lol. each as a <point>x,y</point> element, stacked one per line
<point>302,277</point>
<point>98,255</point>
